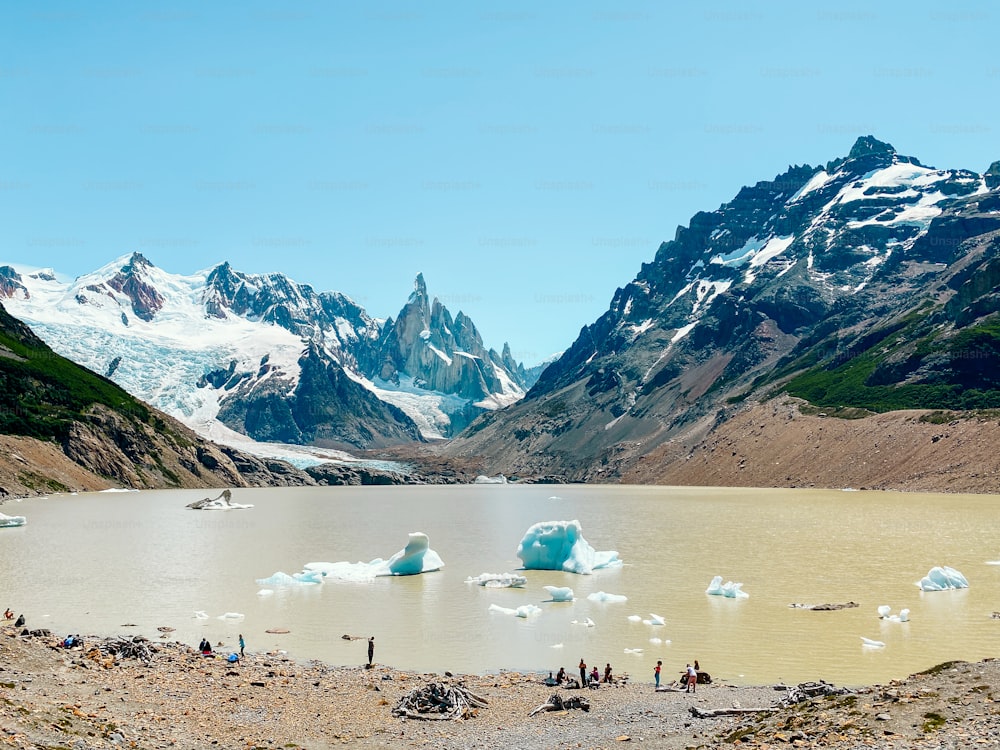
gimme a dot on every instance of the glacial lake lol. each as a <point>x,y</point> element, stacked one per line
<point>128,563</point>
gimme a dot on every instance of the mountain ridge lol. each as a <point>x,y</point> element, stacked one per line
<point>776,289</point>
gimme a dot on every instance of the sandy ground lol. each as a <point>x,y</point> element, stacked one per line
<point>53,697</point>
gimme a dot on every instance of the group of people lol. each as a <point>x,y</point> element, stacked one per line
<point>689,677</point>
<point>591,679</point>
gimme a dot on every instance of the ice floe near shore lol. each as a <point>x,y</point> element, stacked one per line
<point>942,578</point>
<point>417,557</point>
<point>559,545</point>
<point>728,589</point>
<point>12,521</point>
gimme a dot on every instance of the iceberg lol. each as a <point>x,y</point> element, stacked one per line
<point>415,558</point>
<point>482,479</point>
<point>728,589</point>
<point>885,609</point>
<point>560,593</point>
<point>601,596</point>
<point>525,610</point>
<point>222,502</point>
<point>942,578</point>
<point>498,580</point>
<point>306,578</point>
<point>7,522</point>
<point>559,545</point>
<point>873,644</point>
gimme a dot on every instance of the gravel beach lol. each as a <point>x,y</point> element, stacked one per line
<point>54,697</point>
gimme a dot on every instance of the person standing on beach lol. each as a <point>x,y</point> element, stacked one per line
<point>371,650</point>
<point>692,679</point>
<point>243,645</point>
<point>656,672</point>
<point>583,673</point>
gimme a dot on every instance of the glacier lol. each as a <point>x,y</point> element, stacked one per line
<point>942,578</point>
<point>728,589</point>
<point>415,558</point>
<point>559,545</point>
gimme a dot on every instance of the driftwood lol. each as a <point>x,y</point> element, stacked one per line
<point>701,713</point>
<point>807,690</point>
<point>439,702</point>
<point>825,607</point>
<point>106,651</point>
<point>555,703</point>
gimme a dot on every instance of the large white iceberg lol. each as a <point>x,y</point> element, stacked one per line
<point>559,545</point>
<point>498,580</point>
<point>728,589</point>
<point>417,557</point>
<point>941,578</point>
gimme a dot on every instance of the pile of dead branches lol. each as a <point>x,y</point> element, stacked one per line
<point>437,702</point>
<point>807,690</point>
<point>121,647</point>
<point>557,703</point>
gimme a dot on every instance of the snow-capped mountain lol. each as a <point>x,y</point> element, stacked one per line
<point>808,270</point>
<point>264,356</point>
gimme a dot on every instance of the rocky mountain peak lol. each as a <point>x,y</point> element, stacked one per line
<point>132,281</point>
<point>868,145</point>
<point>11,284</point>
<point>992,176</point>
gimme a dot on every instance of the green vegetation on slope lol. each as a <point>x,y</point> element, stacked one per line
<point>41,393</point>
<point>910,368</point>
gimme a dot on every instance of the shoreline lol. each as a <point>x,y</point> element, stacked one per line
<point>84,698</point>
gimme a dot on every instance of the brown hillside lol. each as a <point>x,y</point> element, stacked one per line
<point>776,444</point>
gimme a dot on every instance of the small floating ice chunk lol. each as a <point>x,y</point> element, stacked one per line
<point>942,578</point>
<point>656,619</point>
<point>601,596</point>
<point>657,641</point>
<point>871,643</point>
<point>305,578</point>
<point>633,651</point>
<point>265,592</point>
<point>498,580</point>
<point>201,614</point>
<point>586,623</point>
<point>559,545</point>
<point>525,610</point>
<point>728,589</point>
<point>556,645</point>
<point>634,618</point>
<point>884,610</point>
<point>231,616</point>
<point>560,593</point>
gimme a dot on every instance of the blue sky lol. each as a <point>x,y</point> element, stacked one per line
<point>527,158</point>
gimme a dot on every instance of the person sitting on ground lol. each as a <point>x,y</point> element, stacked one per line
<point>233,658</point>
<point>607,673</point>
<point>8,614</point>
<point>595,678</point>
<point>561,676</point>
<point>550,680</point>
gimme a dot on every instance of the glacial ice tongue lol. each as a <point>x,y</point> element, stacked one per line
<point>559,545</point>
<point>942,578</point>
<point>416,557</point>
<point>728,589</point>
